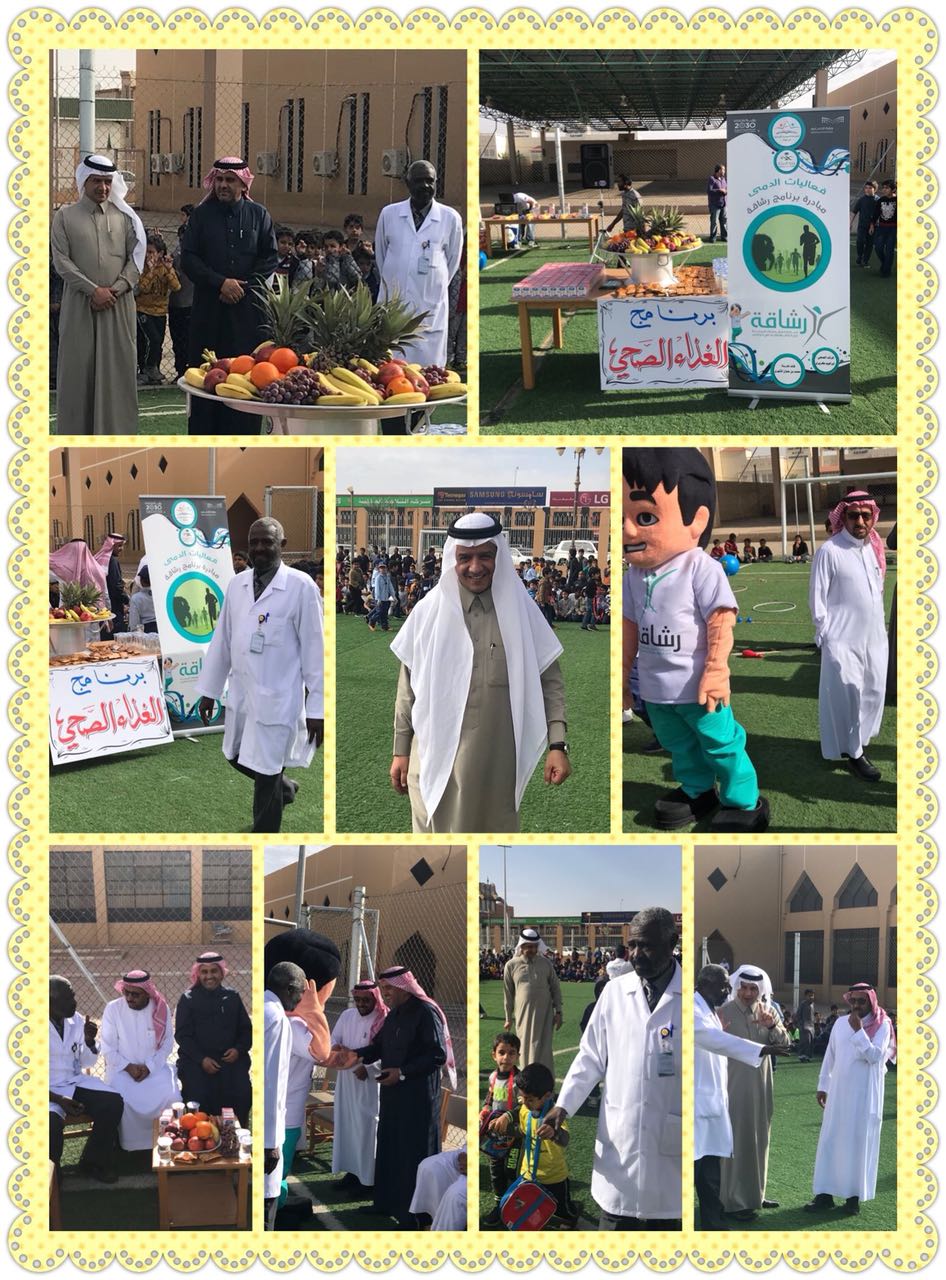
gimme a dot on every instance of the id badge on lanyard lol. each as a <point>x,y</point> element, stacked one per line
<point>258,638</point>
<point>423,262</point>
<point>665,1065</point>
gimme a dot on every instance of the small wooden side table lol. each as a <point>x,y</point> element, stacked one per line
<point>202,1195</point>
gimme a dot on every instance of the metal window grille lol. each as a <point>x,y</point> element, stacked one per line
<point>892,956</point>
<point>442,93</point>
<point>351,106</point>
<point>288,166</point>
<point>200,145</point>
<point>299,510</point>
<point>427,122</point>
<point>857,891</point>
<point>190,140</point>
<point>148,884</point>
<point>856,956</point>
<point>806,897</point>
<point>227,884</point>
<point>365,122</point>
<point>300,142</point>
<point>811,957</point>
<point>71,886</point>
<point>153,178</point>
<point>245,133</point>
<point>88,525</point>
<point>523,518</point>
<point>521,539</point>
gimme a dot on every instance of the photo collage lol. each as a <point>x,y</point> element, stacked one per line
<point>547,881</point>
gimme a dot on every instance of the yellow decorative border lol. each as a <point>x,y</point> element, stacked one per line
<point>914,37</point>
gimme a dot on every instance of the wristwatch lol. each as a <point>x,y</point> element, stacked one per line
<point>559,746</point>
<point>401,1077</point>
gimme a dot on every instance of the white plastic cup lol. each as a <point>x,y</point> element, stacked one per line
<point>164,1149</point>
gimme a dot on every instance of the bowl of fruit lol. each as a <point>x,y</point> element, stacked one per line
<point>69,621</point>
<point>195,1132</point>
<point>651,242</point>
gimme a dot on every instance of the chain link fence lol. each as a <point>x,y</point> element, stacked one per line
<point>112,910</point>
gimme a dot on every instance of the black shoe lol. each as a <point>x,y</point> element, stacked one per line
<point>289,789</point>
<point>97,1171</point>
<point>743,1215</point>
<point>652,748</point>
<point>740,820</point>
<point>492,1219</point>
<point>862,768</point>
<point>852,1206</point>
<point>348,1183</point>
<point>769,1204</point>
<point>821,1202</point>
<point>676,809</point>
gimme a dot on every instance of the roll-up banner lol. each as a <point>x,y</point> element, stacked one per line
<point>187,542</point>
<point>789,215</point>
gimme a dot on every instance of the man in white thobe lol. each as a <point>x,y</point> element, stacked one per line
<point>268,643</point>
<point>440,1191</point>
<point>712,1130</point>
<point>285,986</point>
<point>480,696</point>
<point>851,1094</point>
<point>73,1095</point>
<point>137,1039</point>
<point>750,1015</point>
<point>846,597</point>
<point>418,245</point>
<point>98,247</point>
<point>532,999</point>
<point>357,1099</point>
<point>632,1045</point>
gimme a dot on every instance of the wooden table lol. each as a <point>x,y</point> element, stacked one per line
<point>556,305</point>
<point>593,222</point>
<point>202,1195</point>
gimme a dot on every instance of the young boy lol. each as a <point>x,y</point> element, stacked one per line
<point>337,268</point>
<point>536,1086</point>
<point>156,284</point>
<point>287,264</point>
<point>365,261</point>
<point>500,1100</point>
<point>354,228</point>
<point>307,249</point>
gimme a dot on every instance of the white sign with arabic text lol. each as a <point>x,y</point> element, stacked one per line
<point>663,342</point>
<point>101,708</point>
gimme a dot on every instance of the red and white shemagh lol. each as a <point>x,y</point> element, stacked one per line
<point>140,980</point>
<point>407,982</point>
<point>877,1017</point>
<point>861,499</point>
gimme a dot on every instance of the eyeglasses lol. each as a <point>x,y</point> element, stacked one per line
<point>858,515</point>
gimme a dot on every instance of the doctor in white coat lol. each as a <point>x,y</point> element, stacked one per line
<point>285,986</point>
<point>418,244</point>
<point>712,1131</point>
<point>268,642</point>
<point>632,1045</point>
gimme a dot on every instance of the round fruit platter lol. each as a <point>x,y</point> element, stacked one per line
<point>335,420</point>
<point>68,635</point>
<point>200,1136</point>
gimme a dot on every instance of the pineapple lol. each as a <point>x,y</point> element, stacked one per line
<point>666,221</point>
<point>348,325</point>
<point>287,312</point>
<point>78,596</point>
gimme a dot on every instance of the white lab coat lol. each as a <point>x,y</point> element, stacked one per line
<point>398,248</point>
<point>128,1037</point>
<point>277,1050</point>
<point>712,1128</point>
<point>266,701</point>
<point>852,1075</point>
<point>846,597</point>
<point>636,1170</point>
<point>68,1054</point>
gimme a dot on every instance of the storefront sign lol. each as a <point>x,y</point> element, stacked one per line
<point>586,498</point>
<point>789,253</point>
<point>518,497</point>
<point>373,500</point>
<point>102,708</point>
<point>668,342</point>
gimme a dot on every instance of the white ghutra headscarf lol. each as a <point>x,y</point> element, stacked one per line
<point>93,165</point>
<point>436,648</point>
<point>752,973</point>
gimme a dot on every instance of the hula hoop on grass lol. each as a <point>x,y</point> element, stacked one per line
<point>738,590</point>
<point>774,606</point>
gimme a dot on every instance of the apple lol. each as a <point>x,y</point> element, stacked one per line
<point>223,364</point>
<point>215,375</point>
<point>263,351</point>
<point>209,1144</point>
<point>178,1145</point>
<point>194,1144</point>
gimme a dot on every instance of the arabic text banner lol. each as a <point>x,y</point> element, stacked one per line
<point>789,253</point>
<point>668,342</point>
<point>101,708</point>
<point>187,541</point>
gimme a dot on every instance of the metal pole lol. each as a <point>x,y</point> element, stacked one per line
<point>351,494</point>
<point>704,951</point>
<point>560,172</point>
<point>300,887</point>
<point>811,510</point>
<point>86,101</point>
<point>796,985</point>
<point>212,471</point>
<point>784,521</point>
<point>578,454</point>
<point>357,933</point>
<point>505,906</point>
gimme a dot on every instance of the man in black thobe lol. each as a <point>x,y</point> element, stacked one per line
<point>228,249</point>
<point>411,1046</point>
<point>213,1033</point>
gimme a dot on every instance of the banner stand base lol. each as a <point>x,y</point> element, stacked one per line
<point>193,731</point>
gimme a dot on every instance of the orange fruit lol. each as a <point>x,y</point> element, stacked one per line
<point>398,386</point>
<point>284,358</point>
<point>242,364</point>
<point>203,1129</point>
<point>263,373</point>
<point>188,1121</point>
<point>201,1115</point>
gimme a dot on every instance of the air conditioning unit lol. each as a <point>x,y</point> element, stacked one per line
<point>394,162</point>
<point>267,163</point>
<point>325,164</point>
<point>155,162</point>
<point>172,162</point>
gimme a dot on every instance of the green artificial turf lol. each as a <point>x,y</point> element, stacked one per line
<point>162,412</point>
<point>793,1143</point>
<point>183,786</point>
<point>576,996</point>
<point>775,699</point>
<point>567,395</point>
<point>365,683</point>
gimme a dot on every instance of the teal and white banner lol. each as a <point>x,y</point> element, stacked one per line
<point>789,253</point>
<point>187,542</point>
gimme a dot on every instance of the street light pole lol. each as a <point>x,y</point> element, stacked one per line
<point>351,494</point>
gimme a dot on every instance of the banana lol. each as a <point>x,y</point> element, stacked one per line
<point>368,367</point>
<point>194,378</point>
<point>352,381</point>
<point>340,388</point>
<point>341,399</point>
<point>452,376</point>
<point>406,397</point>
<point>415,367</point>
<point>240,380</point>
<point>445,389</point>
<point>230,392</point>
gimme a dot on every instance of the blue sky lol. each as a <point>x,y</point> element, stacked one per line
<point>419,470</point>
<point>564,880</point>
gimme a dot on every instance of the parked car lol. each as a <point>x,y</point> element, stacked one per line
<point>563,550</point>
